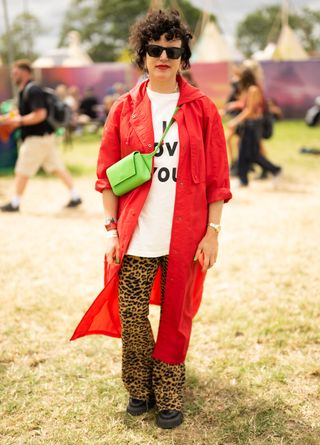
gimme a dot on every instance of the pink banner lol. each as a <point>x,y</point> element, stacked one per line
<point>213,80</point>
<point>293,85</point>
<point>101,77</point>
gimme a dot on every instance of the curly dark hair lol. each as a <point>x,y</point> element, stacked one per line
<point>152,27</point>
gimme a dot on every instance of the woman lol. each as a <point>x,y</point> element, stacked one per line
<point>250,120</point>
<point>232,108</point>
<point>158,234</point>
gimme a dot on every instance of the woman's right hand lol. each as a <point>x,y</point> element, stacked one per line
<point>113,250</point>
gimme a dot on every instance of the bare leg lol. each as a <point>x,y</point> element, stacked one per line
<point>65,177</point>
<point>20,184</point>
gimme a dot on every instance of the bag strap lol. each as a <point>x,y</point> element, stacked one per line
<point>164,134</point>
<point>25,94</point>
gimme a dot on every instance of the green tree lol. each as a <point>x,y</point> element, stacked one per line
<point>307,28</point>
<point>104,24</point>
<point>264,25</point>
<point>25,28</point>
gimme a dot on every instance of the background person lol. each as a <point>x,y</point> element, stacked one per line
<point>232,108</point>
<point>39,146</point>
<point>89,110</point>
<point>107,102</point>
<point>255,67</point>
<point>89,104</point>
<point>158,234</point>
<point>251,132</point>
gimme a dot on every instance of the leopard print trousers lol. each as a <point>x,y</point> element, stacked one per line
<point>143,376</point>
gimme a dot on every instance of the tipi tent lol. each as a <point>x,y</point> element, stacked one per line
<point>211,46</point>
<point>288,46</point>
<point>73,55</point>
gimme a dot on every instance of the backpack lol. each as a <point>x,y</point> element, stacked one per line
<point>59,113</point>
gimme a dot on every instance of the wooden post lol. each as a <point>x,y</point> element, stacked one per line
<point>10,49</point>
<point>285,13</point>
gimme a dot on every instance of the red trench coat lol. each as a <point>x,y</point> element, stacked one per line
<point>202,178</point>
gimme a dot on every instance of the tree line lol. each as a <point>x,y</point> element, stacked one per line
<point>104,27</point>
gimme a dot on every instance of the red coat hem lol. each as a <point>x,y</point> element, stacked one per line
<point>75,336</point>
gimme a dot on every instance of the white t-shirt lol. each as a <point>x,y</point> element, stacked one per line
<point>151,237</point>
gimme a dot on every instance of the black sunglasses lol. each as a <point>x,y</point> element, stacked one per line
<point>172,52</point>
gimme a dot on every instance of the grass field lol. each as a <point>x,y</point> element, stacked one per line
<point>253,368</point>
<point>289,137</point>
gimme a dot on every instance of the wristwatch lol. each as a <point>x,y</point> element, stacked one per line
<point>216,227</point>
<point>110,223</point>
<point>109,220</point>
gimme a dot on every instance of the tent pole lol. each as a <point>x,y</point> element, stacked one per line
<point>10,50</point>
<point>285,13</point>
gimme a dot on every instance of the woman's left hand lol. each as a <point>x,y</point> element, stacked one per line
<point>208,248</point>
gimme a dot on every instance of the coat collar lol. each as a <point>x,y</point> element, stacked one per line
<point>188,93</point>
<point>141,117</point>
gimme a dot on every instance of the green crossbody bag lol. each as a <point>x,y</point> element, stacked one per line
<point>134,169</point>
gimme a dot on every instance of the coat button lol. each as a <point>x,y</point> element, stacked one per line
<point>149,145</point>
<point>181,183</point>
<point>133,116</point>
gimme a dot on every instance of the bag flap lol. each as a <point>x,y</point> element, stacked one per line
<point>123,169</point>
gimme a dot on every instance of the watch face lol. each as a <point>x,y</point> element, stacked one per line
<point>109,221</point>
<point>216,227</point>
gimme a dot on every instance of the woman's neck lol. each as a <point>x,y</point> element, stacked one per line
<point>164,87</point>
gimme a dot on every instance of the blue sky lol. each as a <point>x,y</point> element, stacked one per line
<point>229,13</point>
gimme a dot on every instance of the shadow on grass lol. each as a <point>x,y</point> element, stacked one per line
<point>219,413</point>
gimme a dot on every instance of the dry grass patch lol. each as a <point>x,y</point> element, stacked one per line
<point>253,375</point>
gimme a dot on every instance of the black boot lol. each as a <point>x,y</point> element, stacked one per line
<point>136,407</point>
<point>168,418</point>
<point>9,208</point>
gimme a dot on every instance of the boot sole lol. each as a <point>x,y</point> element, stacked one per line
<point>139,410</point>
<point>167,424</point>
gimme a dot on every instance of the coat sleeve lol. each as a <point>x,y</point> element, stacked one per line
<point>217,168</point>
<point>110,148</point>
